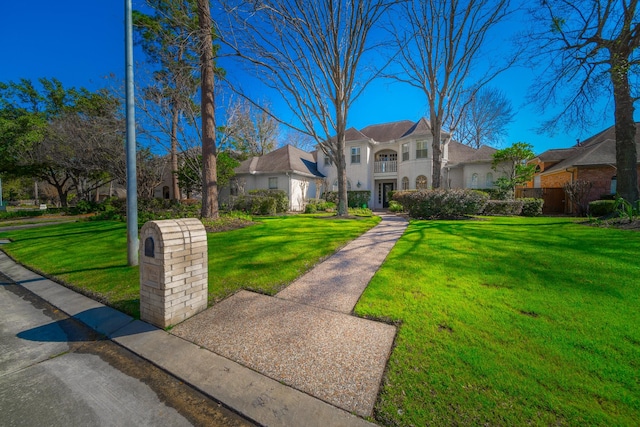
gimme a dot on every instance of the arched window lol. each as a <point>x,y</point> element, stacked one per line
<point>421,182</point>
<point>489,180</point>
<point>474,180</point>
<point>335,185</point>
<point>405,183</point>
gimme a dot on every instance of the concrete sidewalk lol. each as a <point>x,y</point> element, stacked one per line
<point>305,336</point>
<point>263,399</point>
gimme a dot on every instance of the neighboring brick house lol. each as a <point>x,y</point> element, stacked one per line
<point>593,160</point>
<point>398,155</point>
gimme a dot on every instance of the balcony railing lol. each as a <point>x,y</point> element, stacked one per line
<point>385,166</point>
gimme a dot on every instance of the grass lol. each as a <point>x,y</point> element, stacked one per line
<point>510,321</point>
<point>503,321</point>
<point>92,256</point>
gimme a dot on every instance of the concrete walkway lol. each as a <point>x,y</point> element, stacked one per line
<point>305,336</point>
<point>302,332</point>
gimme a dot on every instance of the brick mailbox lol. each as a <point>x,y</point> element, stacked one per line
<point>173,271</point>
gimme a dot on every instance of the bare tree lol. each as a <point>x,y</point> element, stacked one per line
<point>207,107</point>
<point>577,192</point>
<point>590,50</point>
<point>438,55</point>
<point>310,54</point>
<point>485,119</point>
<point>248,130</point>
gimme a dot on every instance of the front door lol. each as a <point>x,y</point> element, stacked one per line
<point>386,188</point>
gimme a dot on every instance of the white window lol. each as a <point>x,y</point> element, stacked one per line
<point>355,154</point>
<point>421,182</point>
<point>405,152</point>
<point>421,149</point>
<point>273,183</point>
<point>489,180</point>
<point>335,185</point>
<point>405,183</point>
<point>327,161</point>
<point>474,180</point>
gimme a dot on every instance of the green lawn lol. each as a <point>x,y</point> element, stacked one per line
<point>92,256</point>
<point>503,321</point>
<point>510,321</point>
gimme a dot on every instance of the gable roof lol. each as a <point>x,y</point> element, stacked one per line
<point>598,150</point>
<point>284,159</point>
<point>391,131</point>
<point>461,153</point>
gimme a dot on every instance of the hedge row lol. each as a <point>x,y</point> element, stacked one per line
<point>526,207</point>
<point>262,202</point>
<point>439,203</point>
<point>503,207</point>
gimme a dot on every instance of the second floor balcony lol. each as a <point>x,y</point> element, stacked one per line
<point>386,166</point>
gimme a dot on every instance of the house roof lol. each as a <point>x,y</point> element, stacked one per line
<point>556,154</point>
<point>597,150</point>
<point>284,159</point>
<point>353,134</point>
<point>461,153</point>
<point>386,132</point>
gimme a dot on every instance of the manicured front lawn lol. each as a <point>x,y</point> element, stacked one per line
<point>510,321</point>
<point>92,256</point>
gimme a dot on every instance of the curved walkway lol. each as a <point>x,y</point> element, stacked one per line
<point>305,336</point>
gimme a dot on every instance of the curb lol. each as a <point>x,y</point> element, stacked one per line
<point>255,396</point>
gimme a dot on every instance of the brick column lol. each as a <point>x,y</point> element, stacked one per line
<point>173,271</point>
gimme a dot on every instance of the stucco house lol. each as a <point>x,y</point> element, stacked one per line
<point>397,155</point>
<point>592,160</point>
<point>288,168</point>
<point>380,158</point>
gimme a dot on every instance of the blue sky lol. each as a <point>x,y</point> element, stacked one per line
<point>81,43</point>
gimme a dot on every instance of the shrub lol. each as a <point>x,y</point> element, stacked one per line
<point>360,212</point>
<point>262,202</point>
<point>355,199</point>
<point>601,207</point>
<point>503,207</point>
<point>532,206</point>
<point>20,214</point>
<point>497,193</point>
<point>439,203</point>
<point>395,206</point>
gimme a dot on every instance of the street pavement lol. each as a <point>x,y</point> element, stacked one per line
<point>55,371</point>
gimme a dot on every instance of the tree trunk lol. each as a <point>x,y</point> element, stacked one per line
<point>209,172</point>
<point>626,151</point>
<point>436,133</point>
<point>341,164</point>
<point>175,115</point>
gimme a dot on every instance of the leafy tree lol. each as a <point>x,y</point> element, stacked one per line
<point>166,38</point>
<point>512,161</point>
<point>70,138</point>
<point>589,49</point>
<point>310,54</point>
<point>485,118</point>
